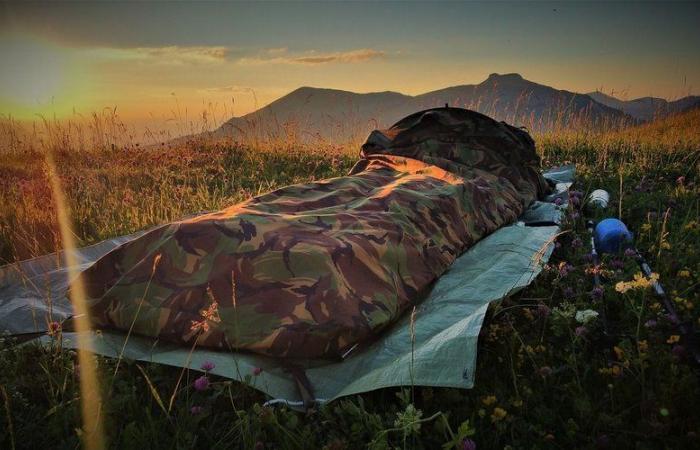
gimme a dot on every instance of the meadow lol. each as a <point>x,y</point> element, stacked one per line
<point>561,364</point>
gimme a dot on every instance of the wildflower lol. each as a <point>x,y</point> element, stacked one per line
<point>576,194</point>
<point>558,201</point>
<point>630,253</point>
<point>201,383</point>
<point>673,339</point>
<point>646,227</point>
<point>498,414</point>
<point>196,410</point>
<point>468,444</point>
<point>574,215</point>
<point>257,371</point>
<point>543,310</point>
<point>577,243</point>
<point>639,282</point>
<point>651,323</point>
<point>678,351</point>
<point>585,316</point>
<point>569,292</point>
<point>489,400</point>
<point>680,180</point>
<point>545,371</point>
<point>597,293</point>
<point>620,353</point>
<point>207,366</point>
<point>54,328</point>
<point>565,268</point>
<point>581,331</point>
<point>617,264</point>
<point>684,274</point>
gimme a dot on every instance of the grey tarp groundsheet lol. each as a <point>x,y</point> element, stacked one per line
<point>442,352</point>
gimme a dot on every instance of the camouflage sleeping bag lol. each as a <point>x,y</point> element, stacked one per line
<point>309,270</point>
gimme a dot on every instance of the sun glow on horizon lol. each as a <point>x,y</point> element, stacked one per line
<point>40,77</point>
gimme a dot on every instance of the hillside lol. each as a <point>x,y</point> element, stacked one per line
<point>341,115</point>
<point>647,108</point>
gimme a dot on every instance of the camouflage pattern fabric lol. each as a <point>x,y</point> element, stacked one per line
<point>309,270</point>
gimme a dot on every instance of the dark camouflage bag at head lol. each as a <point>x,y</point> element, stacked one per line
<point>466,138</point>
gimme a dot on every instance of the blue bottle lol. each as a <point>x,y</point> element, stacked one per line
<point>611,236</point>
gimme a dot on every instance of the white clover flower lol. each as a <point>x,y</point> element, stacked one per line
<point>586,316</point>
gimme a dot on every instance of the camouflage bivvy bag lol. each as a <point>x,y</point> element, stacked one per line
<point>311,270</point>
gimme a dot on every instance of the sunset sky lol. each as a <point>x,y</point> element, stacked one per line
<point>149,59</point>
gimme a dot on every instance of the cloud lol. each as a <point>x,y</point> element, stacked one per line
<point>312,57</point>
<point>233,89</point>
<point>172,54</point>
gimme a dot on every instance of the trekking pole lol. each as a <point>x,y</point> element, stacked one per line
<point>686,332</point>
<point>590,226</point>
<point>597,199</point>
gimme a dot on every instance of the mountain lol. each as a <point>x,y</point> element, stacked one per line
<point>331,114</point>
<point>647,108</point>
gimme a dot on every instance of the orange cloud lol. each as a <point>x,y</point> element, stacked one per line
<point>312,57</point>
<point>172,54</point>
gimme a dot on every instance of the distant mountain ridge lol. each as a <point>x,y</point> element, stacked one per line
<point>316,113</point>
<point>647,108</point>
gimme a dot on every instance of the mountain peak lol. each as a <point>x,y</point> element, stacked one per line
<point>506,77</point>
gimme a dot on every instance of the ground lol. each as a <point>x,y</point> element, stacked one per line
<point>560,365</point>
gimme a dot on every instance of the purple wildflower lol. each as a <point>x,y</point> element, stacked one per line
<point>196,410</point>
<point>54,328</point>
<point>568,292</point>
<point>575,201</point>
<point>617,264</point>
<point>597,293</point>
<point>576,194</point>
<point>201,383</point>
<point>574,215</point>
<point>468,444</point>
<point>558,201</point>
<point>581,331</point>
<point>207,366</point>
<point>630,253</point>
<point>543,310</point>
<point>651,323</point>
<point>680,180</point>
<point>678,351</point>
<point>577,243</point>
<point>257,371</point>
<point>671,318</point>
<point>564,269</point>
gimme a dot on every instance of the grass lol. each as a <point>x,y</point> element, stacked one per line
<point>544,379</point>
